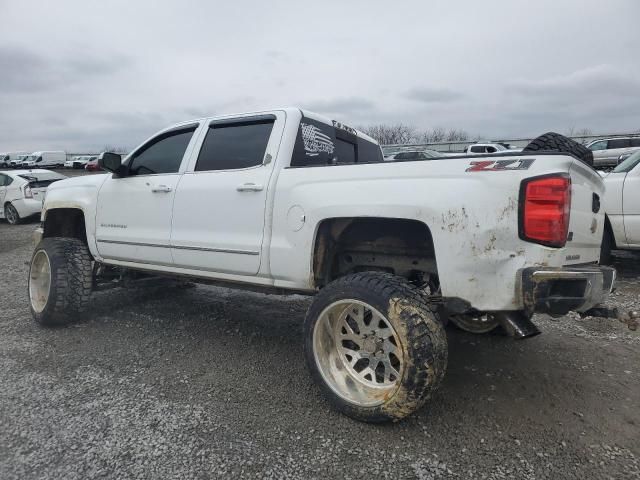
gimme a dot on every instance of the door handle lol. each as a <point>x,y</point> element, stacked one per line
<point>249,187</point>
<point>161,189</point>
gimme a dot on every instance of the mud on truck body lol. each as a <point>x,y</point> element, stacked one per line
<point>288,201</point>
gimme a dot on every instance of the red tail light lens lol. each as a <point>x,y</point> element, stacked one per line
<point>545,206</point>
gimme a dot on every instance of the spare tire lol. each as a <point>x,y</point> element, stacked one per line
<point>560,143</point>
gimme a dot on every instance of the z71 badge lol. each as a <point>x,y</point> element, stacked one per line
<point>499,165</point>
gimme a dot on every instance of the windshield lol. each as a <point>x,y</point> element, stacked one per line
<point>628,164</point>
<point>30,157</point>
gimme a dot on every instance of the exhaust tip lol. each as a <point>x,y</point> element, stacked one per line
<point>517,325</point>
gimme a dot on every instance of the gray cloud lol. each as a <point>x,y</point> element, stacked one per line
<point>433,95</point>
<point>83,74</point>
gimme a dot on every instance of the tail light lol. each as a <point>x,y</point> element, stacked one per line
<point>545,204</point>
<point>27,192</point>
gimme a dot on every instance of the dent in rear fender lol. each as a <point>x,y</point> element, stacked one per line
<point>473,219</point>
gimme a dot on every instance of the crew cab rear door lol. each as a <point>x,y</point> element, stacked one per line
<point>133,217</point>
<point>220,204</point>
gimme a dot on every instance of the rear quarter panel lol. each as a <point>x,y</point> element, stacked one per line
<point>473,218</point>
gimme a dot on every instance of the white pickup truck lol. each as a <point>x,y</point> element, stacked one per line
<point>288,201</point>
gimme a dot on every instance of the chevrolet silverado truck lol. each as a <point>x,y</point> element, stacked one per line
<point>287,201</point>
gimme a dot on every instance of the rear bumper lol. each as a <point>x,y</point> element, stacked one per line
<point>559,290</point>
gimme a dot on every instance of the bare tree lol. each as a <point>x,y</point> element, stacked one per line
<point>391,134</point>
<point>115,149</point>
<point>583,132</point>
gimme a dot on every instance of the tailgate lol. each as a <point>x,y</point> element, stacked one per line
<point>586,221</point>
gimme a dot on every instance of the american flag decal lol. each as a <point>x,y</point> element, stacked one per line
<point>315,141</point>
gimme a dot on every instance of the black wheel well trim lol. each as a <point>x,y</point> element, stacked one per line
<point>608,228</point>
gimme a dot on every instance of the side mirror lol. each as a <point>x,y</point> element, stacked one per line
<point>112,162</point>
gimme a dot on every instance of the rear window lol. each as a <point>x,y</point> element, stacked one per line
<point>43,179</point>
<point>320,144</point>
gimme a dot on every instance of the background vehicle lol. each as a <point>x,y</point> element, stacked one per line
<point>607,151</point>
<point>414,155</point>
<point>290,201</point>
<point>8,157</point>
<point>45,159</point>
<point>489,148</point>
<point>622,207</point>
<point>79,161</point>
<point>92,165</point>
<point>22,191</point>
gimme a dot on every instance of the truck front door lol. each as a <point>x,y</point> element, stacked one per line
<point>220,204</point>
<point>133,217</point>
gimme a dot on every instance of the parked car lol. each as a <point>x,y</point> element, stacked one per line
<point>289,201</point>
<point>17,161</point>
<point>45,159</point>
<point>414,155</point>
<point>79,161</point>
<point>607,151</point>
<point>8,157</point>
<point>22,192</point>
<point>495,147</point>
<point>622,207</point>
<point>92,165</point>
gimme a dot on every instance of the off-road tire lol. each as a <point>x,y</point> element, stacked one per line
<point>420,331</point>
<point>608,243</point>
<point>560,143</point>
<point>71,280</point>
<point>11,218</point>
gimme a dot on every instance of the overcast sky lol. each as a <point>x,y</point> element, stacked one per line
<point>80,75</point>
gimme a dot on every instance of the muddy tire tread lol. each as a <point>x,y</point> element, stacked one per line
<point>425,341</point>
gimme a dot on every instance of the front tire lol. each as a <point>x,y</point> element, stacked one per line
<point>374,346</point>
<point>60,280</point>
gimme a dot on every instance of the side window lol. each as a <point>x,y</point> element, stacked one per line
<point>38,160</point>
<point>619,143</point>
<point>601,145</point>
<point>635,142</point>
<point>369,151</point>
<point>402,156</point>
<point>492,149</point>
<point>163,154</point>
<point>229,146</point>
<point>477,149</point>
<point>3,180</point>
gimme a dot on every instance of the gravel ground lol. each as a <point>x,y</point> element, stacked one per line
<point>208,382</point>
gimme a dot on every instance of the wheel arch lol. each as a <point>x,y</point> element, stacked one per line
<point>65,222</point>
<point>608,228</point>
<point>344,245</point>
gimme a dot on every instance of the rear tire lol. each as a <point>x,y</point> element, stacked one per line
<point>60,280</point>
<point>560,143</point>
<point>11,214</point>
<point>374,346</point>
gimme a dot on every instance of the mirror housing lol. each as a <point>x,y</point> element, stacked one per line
<point>111,162</point>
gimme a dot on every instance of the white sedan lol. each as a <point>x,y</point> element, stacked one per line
<point>622,207</point>
<point>22,192</point>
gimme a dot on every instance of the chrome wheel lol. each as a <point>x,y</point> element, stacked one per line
<point>479,323</point>
<point>358,352</point>
<point>39,281</point>
<point>11,214</point>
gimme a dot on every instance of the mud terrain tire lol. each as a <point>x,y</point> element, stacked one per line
<point>60,280</point>
<point>419,340</point>
<point>560,143</point>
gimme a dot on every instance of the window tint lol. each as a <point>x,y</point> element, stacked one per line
<point>163,154</point>
<point>635,142</point>
<point>4,180</point>
<point>492,149</point>
<point>234,145</point>
<point>619,143</point>
<point>477,149</point>
<point>369,151</point>
<point>345,152</point>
